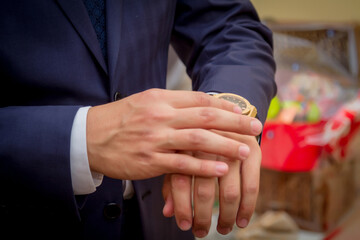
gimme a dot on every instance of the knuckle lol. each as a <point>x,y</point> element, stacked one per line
<point>204,167</point>
<point>163,115</point>
<point>196,137</point>
<point>227,222</point>
<point>205,192</point>
<point>207,115</point>
<point>243,209</point>
<point>230,149</point>
<point>251,189</point>
<point>145,114</point>
<point>169,114</point>
<point>246,210</point>
<point>169,139</point>
<point>231,194</point>
<point>154,115</point>
<point>203,223</point>
<point>183,213</point>
<point>152,94</point>
<point>152,137</point>
<point>180,163</point>
<point>202,99</point>
<point>144,157</point>
<point>148,135</point>
<point>243,123</point>
<point>180,181</point>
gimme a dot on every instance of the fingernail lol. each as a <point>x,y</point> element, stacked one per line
<point>185,225</point>
<point>237,109</point>
<point>221,168</point>
<point>256,126</point>
<point>244,152</point>
<point>243,223</point>
<point>200,233</point>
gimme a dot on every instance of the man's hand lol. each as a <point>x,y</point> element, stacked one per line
<point>142,136</point>
<point>241,180</point>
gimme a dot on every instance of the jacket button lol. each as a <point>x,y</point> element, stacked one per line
<point>117,96</point>
<point>112,211</point>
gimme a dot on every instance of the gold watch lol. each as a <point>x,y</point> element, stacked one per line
<point>243,103</point>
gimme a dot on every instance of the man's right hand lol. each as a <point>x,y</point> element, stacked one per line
<point>143,135</point>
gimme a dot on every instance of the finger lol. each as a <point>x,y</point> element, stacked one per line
<point>188,165</point>
<point>204,197</point>
<point>229,197</point>
<point>206,141</point>
<point>250,177</point>
<point>168,210</point>
<point>186,99</point>
<point>181,196</point>
<point>212,118</point>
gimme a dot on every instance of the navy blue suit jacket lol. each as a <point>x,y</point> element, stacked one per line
<point>51,65</point>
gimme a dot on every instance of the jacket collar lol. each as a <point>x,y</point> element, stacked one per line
<point>113,31</point>
<point>77,14</point>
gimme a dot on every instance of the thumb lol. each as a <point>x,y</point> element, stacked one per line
<point>168,210</point>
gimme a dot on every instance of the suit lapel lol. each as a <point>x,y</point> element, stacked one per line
<point>79,17</point>
<point>113,31</point>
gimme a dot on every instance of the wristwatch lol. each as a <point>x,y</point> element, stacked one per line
<point>243,103</point>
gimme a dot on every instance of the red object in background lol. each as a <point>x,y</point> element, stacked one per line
<point>284,146</point>
<point>342,129</point>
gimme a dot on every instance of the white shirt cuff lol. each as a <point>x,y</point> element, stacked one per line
<point>83,180</point>
<point>212,93</point>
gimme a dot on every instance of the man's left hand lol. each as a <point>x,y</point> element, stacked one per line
<point>238,191</point>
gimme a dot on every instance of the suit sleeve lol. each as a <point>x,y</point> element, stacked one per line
<point>226,48</point>
<point>35,156</point>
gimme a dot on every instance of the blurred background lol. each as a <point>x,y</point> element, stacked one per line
<point>310,175</point>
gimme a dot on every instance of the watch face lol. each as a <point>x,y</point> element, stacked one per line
<point>241,102</point>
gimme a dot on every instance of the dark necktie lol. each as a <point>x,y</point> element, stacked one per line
<point>96,10</point>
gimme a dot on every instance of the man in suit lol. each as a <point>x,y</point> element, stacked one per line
<point>77,118</point>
